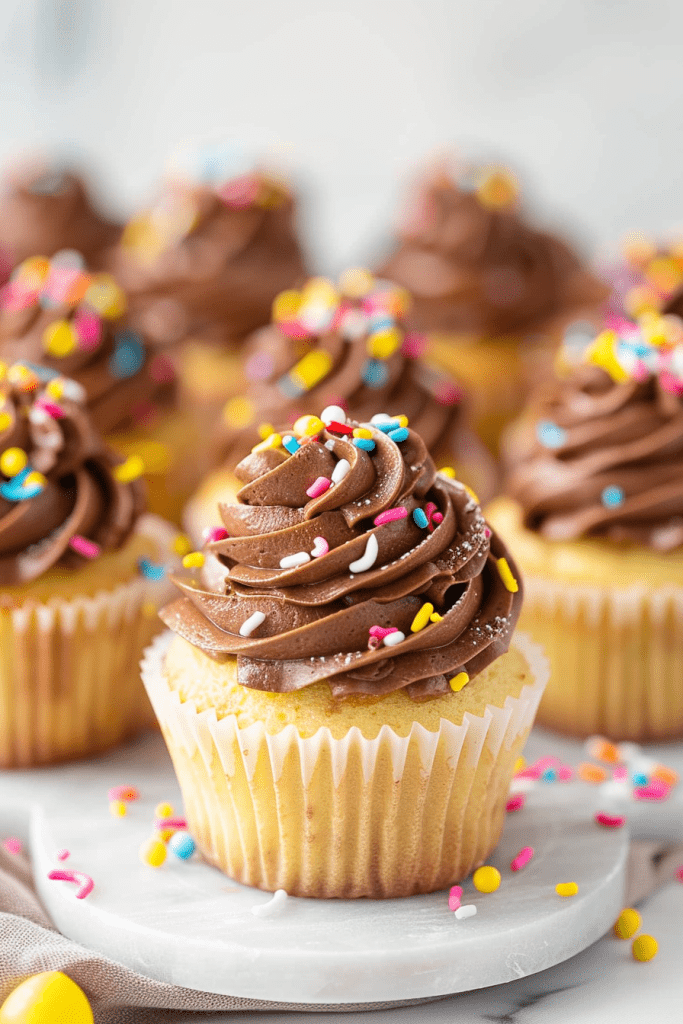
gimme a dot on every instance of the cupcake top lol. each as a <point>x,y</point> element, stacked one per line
<point>602,455</point>
<point>210,255</point>
<point>64,497</point>
<point>349,559</point>
<point>643,278</point>
<point>45,210</point>
<point>344,346</point>
<point>474,264</point>
<point>56,313</point>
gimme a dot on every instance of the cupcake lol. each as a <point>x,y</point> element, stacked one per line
<point>45,209</point>
<point>57,314</point>
<point>490,289</point>
<point>341,699</point>
<point>345,348</point>
<point>643,278</point>
<point>594,516</point>
<point>203,265</point>
<point>81,576</point>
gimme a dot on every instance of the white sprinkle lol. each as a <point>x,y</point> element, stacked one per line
<point>291,561</point>
<point>250,624</point>
<point>469,910</point>
<point>330,444</point>
<point>340,470</point>
<point>369,558</point>
<point>333,414</point>
<point>38,416</point>
<point>73,390</point>
<point>381,417</point>
<point>273,906</point>
<point>391,639</point>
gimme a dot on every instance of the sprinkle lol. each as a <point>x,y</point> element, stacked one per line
<point>118,808</point>
<point>272,441</point>
<point>550,435</point>
<point>420,518</point>
<point>239,412</point>
<point>435,617</point>
<point>509,581</point>
<point>609,820</point>
<point>339,428</point>
<point>291,444</point>
<point>128,356</point>
<point>566,889</point>
<point>340,470</point>
<point>286,305</point>
<point>129,470</point>
<point>62,855</point>
<point>83,546</point>
<point>84,882</point>
<point>182,545</point>
<point>214,534</point>
<point>273,906</point>
<point>469,910</point>
<point>5,421</point>
<point>374,373</point>
<point>60,339</point>
<point>666,775</point>
<point>602,750</point>
<point>414,345</point>
<point>252,623</point>
<point>386,425</point>
<point>182,845</point>
<point>365,443</point>
<point>292,561</point>
<point>368,559</point>
<point>308,426</point>
<point>516,802</point>
<point>382,344</point>
<point>401,434</point>
<point>549,775</point>
<point>522,858</point>
<point>51,408</point>
<point>628,923</point>
<point>123,793</point>
<point>320,547</point>
<point>380,631</point>
<point>391,515</point>
<point>458,682</point>
<point>169,822</point>
<point>195,560</point>
<point>603,353</point>
<point>591,772</point>
<point>653,792</point>
<point>612,496</point>
<point>310,370</point>
<point>12,845</point>
<point>520,764</point>
<point>486,878</point>
<point>163,810</point>
<point>153,853</point>
<point>362,432</point>
<point>356,282</point>
<point>394,638</point>
<point>422,618</point>
<point>13,461</point>
<point>454,897</point>
<point>679,873</point>
<point>333,414</point>
<point>644,948</point>
<point>319,487</point>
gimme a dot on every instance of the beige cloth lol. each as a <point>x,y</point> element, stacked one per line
<point>29,944</point>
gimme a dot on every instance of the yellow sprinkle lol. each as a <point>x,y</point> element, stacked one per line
<point>448,471</point>
<point>12,461</point>
<point>308,425</point>
<point>105,296</point>
<point>55,388</point>
<point>35,479</point>
<point>5,421</point>
<point>665,273</point>
<point>362,432</point>
<point>239,412</point>
<point>473,495</point>
<point>520,764</point>
<point>153,853</point>
<point>265,430</point>
<point>59,339</point>
<point>644,948</point>
<point>182,545</point>
<point>129,470</point>
<point>163,810</point>
<point>286,305</point>
<point>628,923</point>
<point>383,344</point>
<point>566,889</point>
<point>399,301</point>
<point>497,188</point>
<point>402,420</point>
<point>3,370</point>
<point>33,271</point>
<point>356,282</point>
<point>457,682</point>
<point>273,441</point>
<point>118,809</point>
<point>310,370</point>
<point>505,572</point>
<point>195,560</point>
<point>486,878</point>
<point>435,617</point>
<point>641,300</point>
<point>603,353</point>
<point>320,289</point>
<point>422,617</point>
<point>23,378</point>
<point>164,834</point>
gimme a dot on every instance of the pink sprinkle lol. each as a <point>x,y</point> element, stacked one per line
<point>144,414</point>
<point>654,790</point>
<point>391,515</point>
<point>516,802</point>
<point>83,881</point>
<point>414,345</point>
<point>448,393</point>
<point>547,762</point>
<point>178,823</point>
<point>162,370</point>
<point>63,854</point>
<point>454,897</point>
<point>430,509</point>
<point>679,873</point>
<point>123,793</point>
<point>437,518</point>
<point>487,532</point>
<point>320,547</point>
<point>83,546</point>
<point>292,329</point>
<point>51,408</point>
<point>239,193</point>
<point>319,487</point>
<point>532,772</point>
<point>564,773</point>
<point>213,534</point>
<point>610,820</point>
<point>620,773</point>
<point>522,858</point>
<point>12,845</point>
<point>89,329</point>
<point>380,632</point>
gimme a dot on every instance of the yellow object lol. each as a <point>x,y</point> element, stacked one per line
<point>182,545</point>
<point>362,432</point>
<point>356,282</point>
<point>239,412</point>
<point>448,471</point>
<point>422,618</point>
<point>308,425</point>
<point>505,572</point>
<point>129,470</point>
<point>603,353</point>
<point>153,853</point>
<point>5,421</point>
<point>566,889</point>
<point>273,441</point>
<point>497,189</point>
<point>105,296</point>
<point>520,764</point>
<point>59,339</point>
<point>118,809</point>
<point>643,948</point>
<point>12,461</point>
<point>48,998</point>
<point>310,370</point>
<point>457,682</point>
<point>35,479</point>
<point>163,810</point>
<point>628,923</point>
<point>265,430</point>
<point>383,344</point>
<point>402,420</point>
<point>486,878</point>
<point>195,560</point>
<point>286,305</point>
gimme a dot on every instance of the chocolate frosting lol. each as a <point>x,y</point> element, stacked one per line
<point>319,614</point>
<point>208,260</point>
<point>66,486</point>
<point>604,457</point>
<point>473,264</point>
<point>44,210</point>
<point>58,314</point>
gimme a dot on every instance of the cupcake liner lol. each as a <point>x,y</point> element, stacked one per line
<point>69,677</point>
<point>615,657</point>
<point>350,817</point>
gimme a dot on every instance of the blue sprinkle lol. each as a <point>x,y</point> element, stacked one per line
<point>550,435</point>
<point>387,426</point>
<point>289,388</point>
<point>182,845</point>
<point>639,779</point>
<point>41,372</point>
<point>612,496</point>
<point>420,518</point>
<point>399,435</point>
<point>14,489</point>
<point>380,322</point>
<point>128,357</point>
<point>549,775</point>
<point>291,444</point>
<point>150,570</point>
<point>374,373</point>
<point>365,443</point>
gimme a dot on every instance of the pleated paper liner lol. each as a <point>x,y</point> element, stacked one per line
<point>349,817</point>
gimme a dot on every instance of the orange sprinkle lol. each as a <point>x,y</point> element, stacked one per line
<point>591,772</point>
<point>666,775</point>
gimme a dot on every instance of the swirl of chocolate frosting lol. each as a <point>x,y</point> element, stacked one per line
<point>473,264</point>
<point>60,498</point>
<point>56,313</point>
<point>602,454</point>
<point>358,565</point>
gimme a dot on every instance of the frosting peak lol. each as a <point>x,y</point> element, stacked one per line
<point>348,558</point>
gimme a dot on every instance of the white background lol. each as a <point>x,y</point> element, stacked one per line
<point>581,96</point>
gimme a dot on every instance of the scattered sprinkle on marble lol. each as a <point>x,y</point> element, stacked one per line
<point>273,906</point>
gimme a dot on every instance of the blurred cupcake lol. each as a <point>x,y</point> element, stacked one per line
<point>340,703</point>
<point>203,265</point>
<point>643,278</point>
<point>594,517</point>
<point>491,290</point>
<point>57,314</point>
<point>81,577</point>
<point>44,209</point>
<point>345,348</point>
